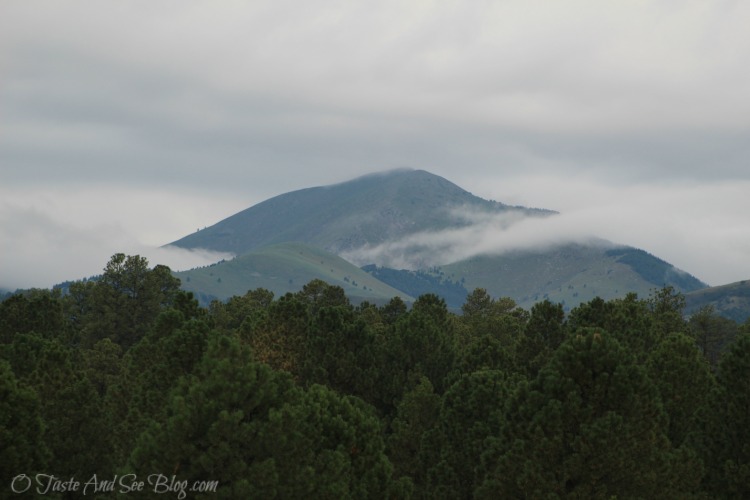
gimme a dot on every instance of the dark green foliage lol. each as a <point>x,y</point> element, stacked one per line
<point>23,448</point>
<point>124,301</point>
<point>638,324</point>
<point>151,369</point>
<point>260,436</point>
<point>39,311</point>
<point>307,396</point>
<point>726,418</point>
<point>667,305</point>
<point>75,426</point>
<point>421,342</point>
<point>684,380</point>
<point>591,425</point>
<point>491,330</point>
<point>712,333</point>
<point>542,335</point>
<point>416,414</point>
<point>471,411</point>
<point>341,353</point>
<point>393,310</point>
<point>279,338</point>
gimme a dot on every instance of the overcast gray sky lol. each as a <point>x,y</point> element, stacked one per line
<point>125,125</point>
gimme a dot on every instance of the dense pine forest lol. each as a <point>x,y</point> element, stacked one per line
<point>123,386</point>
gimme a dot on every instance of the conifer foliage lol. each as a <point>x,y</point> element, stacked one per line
<point>309,396</point>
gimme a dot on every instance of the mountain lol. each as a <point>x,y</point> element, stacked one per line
<point>286,241</point>
<point>570,274</point>
<point>282,268</point>
<point>730,301</point>
<point>368,210</point>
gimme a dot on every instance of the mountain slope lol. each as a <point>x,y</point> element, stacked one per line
<point>365,211</point>
<point>283,268</point>
<point>731,301</point>
<point>569,274</point>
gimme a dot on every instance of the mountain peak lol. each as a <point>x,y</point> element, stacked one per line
<point>367,210</point>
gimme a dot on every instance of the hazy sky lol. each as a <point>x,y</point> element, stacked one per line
<point>125,125</point>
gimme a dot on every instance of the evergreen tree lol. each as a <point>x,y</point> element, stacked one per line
<point>23,449</point>
<point>150,370</point>
<point>667,305</point>
<point>125,301</point>
<point>591,425</point>
<point>340,353</point>
<point>75,424</point>
<point>38,311</point>
<point>416,414</point>
<point>684,380</point>
<point>630,320</point>
<point>726,420</point>
<point>250,428</point>
<point>241,313</point>
<point>279,340</point>
<point>542,334</point>
<point>421,342</point>
<point>712,333</point>
<point>471,411</point>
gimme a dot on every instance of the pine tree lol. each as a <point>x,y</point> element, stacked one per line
<point>542,334</point>
<point>23,449</point>
<point>726,432</point>
<point>684,380</point>
<point>471,411</point>
<point>590,425</point>
<point>416,414</point>
<point>259,435</point>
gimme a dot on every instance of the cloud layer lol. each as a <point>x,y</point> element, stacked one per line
<point>624,104</point>
<point>49,236</point>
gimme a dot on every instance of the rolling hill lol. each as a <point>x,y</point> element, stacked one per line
<point>282,268</point>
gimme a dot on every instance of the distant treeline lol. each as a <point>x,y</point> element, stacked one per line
<point>416,283</point>
<point>123,385</point>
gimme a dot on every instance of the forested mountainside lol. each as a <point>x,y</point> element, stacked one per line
<point>126,383</point>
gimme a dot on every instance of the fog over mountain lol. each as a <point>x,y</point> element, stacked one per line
<point>484,234</point>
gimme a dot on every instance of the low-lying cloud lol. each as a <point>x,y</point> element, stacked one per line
<point>44,240</point>
<point>699,228</point>
<point>486,234</point>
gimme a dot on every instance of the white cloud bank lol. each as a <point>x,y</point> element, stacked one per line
<point>59,235</point>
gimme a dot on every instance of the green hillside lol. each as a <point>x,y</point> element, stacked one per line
<point>365,211</point>
<point>569,274</point>
<point>731,301</point>
<point>283,268</point>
